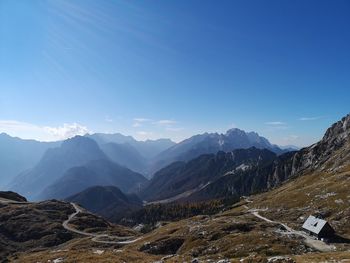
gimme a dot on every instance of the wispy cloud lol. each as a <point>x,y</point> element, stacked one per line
<point>144,133</point>
<point>27,130</point>
<point>142,120</point>
<point>275,123</point>
<point>310,118</point>
<point>174,129</point>
<point>138,122</point>
<point>165,122</point>
<point>152,124</point>
<point>67,130</point>
<point>168,125</point>
<point>108,119</point>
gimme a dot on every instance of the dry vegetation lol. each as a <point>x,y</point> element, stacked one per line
<point>91,223</point>
<point>234,234</point>
<point>325,194</point>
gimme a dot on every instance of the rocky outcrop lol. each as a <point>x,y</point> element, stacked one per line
<point>211,143</point>
<point>328,155</point>
<point>181,177</point>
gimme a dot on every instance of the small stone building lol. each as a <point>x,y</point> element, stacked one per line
<point>318,227</point>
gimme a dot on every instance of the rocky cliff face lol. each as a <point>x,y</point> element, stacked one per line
<point>181,177</point>
<point>330,154</point>
<point>211,143</point>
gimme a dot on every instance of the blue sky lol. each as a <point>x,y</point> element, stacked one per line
<point>172,69</point>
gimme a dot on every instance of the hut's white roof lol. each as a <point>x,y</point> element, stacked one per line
<point>314,224</point>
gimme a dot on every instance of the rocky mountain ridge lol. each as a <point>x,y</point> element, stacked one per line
<point>211,143</point>
<point>72,152</point>
<point>332,152</point>
<point>18,155</point>
<point>147,149</point>
<point>102,172</point>
<point>181,177</point>
<point>322,155</point>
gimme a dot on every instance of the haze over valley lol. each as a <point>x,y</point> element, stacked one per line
<point>174,131</point>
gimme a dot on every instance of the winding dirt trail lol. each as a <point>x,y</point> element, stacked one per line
<point>94,237</point>
<point>312,242</point>
<point>97,237</point>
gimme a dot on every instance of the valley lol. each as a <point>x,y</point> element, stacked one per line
<point>186,131</point>
<point>247,205</point>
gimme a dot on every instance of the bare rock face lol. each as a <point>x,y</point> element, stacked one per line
<point>337,137</point>
<point>338,131</point>
<point>331,153</point>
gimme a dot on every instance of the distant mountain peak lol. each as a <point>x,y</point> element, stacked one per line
<point>234,131</point>
<point>80,142</point>
<point>339,130</point>
<point>76,139</point>
<point>212,143</point>
<point>4,134</point>
<point>148,149</point>
<point>55,161</point>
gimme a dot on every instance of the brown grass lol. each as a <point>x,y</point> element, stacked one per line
<point>236,234</point>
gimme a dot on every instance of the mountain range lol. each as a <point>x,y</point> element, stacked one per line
<point>273,196</point>
<point>220,175</point>
<point>72,152</point>
<point>147,149</point>
<point>99,172</point>
<point>18,155</point>
<point>126,155</point>
<point>183,179</point>
<point>212,143</point>
<point>69,161</point>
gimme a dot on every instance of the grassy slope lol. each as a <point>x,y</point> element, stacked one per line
<point>324,193</point>
<point>237,234</point>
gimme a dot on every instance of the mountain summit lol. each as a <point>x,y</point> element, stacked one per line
<point>17,155</point>
<point>212,143</point>
<point>72,152</point>
<point>330,154</point>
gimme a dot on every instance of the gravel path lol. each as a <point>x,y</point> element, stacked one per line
<point>312,242</point>
<point>96,237</point>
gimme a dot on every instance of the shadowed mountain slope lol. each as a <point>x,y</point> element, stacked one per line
<point>182,177</point>
<point>148,149</point>
<point>180,180</point>
<point>107,201</point>
<point>208,143</point>
<point>18,155</point>
<point>125,155</point>
<point>330,154</point>
<point>54,163</point>
<point>101,172</point>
